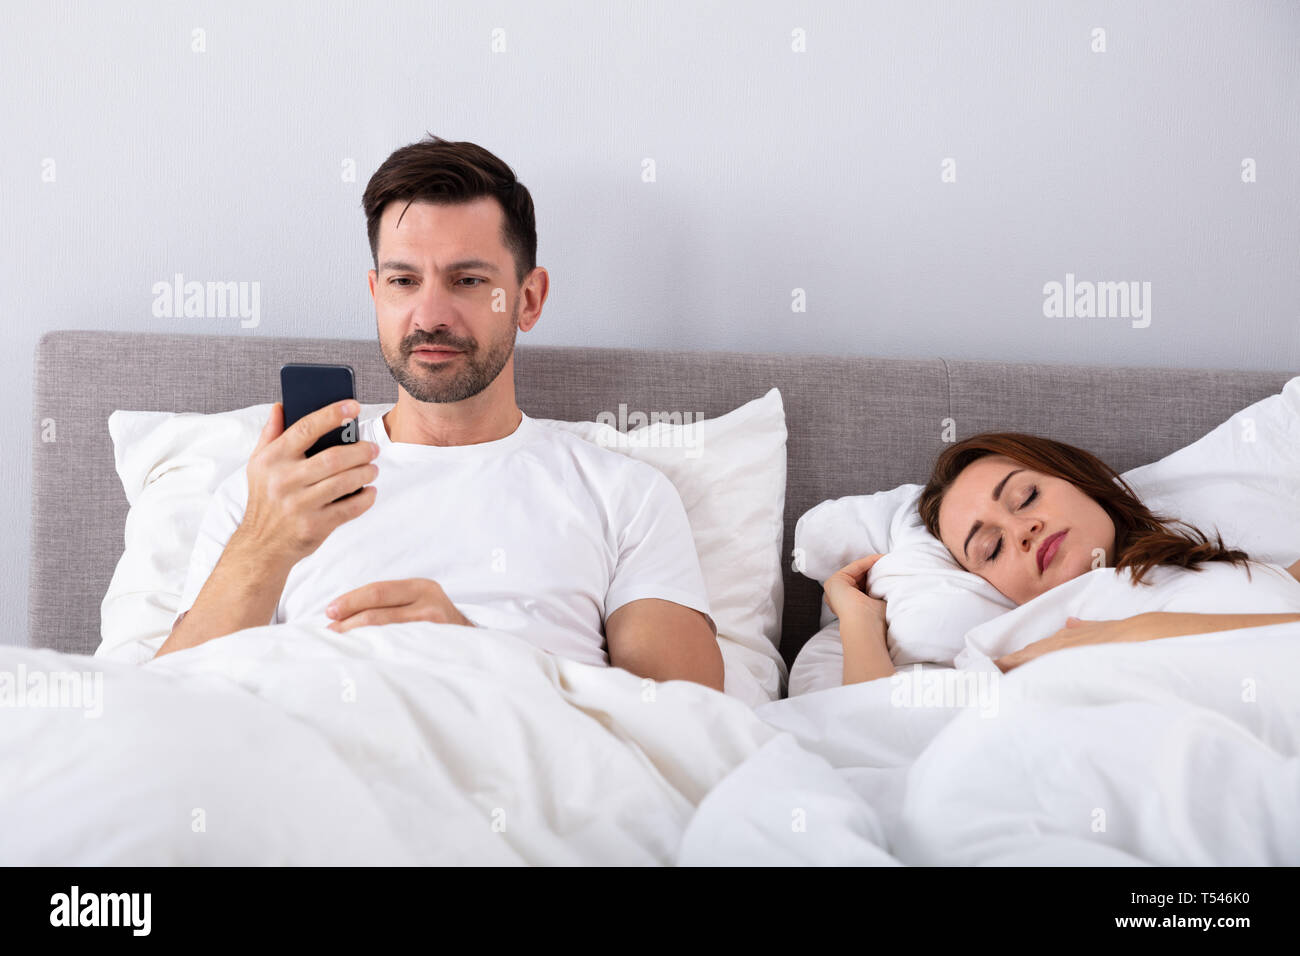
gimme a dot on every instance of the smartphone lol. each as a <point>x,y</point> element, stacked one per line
<point>306,388</point>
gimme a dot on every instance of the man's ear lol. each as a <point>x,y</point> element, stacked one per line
<point>533,292</point>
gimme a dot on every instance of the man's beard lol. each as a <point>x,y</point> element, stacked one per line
<point>427,382</point>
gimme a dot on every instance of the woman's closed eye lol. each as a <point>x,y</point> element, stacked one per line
<point>1024,504</point>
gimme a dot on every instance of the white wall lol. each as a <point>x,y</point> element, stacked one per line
<point>776,170</point>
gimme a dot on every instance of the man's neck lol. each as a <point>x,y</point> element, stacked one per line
<point>454,423</point>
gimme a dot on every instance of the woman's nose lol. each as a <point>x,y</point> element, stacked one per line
<point>1031,530</point>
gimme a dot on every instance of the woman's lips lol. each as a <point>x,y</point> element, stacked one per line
<point>1047,550</point>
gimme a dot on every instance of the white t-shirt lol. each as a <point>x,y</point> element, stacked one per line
<point>539,533</point>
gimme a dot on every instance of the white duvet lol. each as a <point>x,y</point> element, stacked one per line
<point>411,743</point>
<point>425,743</point>
<point>1183,751</point>
<point>1106,594</point>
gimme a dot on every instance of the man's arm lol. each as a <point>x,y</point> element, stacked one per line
<point>1295,570</point>
<point>293,504</point>
<point>242,591</point>
<point>663,640</point>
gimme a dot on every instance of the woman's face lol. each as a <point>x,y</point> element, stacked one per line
<point>1022,531</point>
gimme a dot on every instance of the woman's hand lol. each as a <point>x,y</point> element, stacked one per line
<point>1141,627</point>
<point>846,590</point>
<point>1077,633</point>
<point>862,622</point>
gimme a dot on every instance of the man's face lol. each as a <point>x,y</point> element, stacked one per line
<point>444,285</point>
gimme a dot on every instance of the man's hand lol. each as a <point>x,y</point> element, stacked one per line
<point>291,506</point>
<point>391,602</point>
<point>289,513</point>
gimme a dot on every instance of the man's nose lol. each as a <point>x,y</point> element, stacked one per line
<point>434,307</point>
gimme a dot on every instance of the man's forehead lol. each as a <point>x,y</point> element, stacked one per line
<point>401,214</point>
<point>451,232</point>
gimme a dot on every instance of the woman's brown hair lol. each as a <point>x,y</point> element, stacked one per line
<point>1143,540</point>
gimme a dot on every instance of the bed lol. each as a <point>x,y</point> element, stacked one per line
<point>545,762</point>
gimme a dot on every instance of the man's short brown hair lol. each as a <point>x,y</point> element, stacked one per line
<point>435,170</point>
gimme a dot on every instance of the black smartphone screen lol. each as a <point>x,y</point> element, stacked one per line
<point>306,388</point>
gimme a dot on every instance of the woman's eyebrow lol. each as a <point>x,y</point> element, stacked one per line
<point>997,492</point>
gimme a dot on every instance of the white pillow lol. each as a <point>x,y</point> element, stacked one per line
<point>820,664</point>
<point>1242,479</point>
<point>170,465</point>
<point>928,596</point>
<point>729,472</point>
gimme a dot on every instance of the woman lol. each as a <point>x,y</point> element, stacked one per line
<point>1028,514</point>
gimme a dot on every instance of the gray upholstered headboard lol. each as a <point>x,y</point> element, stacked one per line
<point>856,425</point>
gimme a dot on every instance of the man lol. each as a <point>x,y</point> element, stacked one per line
<point>469,512</point>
